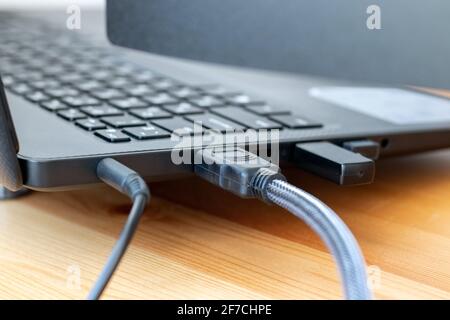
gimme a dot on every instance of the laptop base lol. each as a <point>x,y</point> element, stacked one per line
<point>5,194</point>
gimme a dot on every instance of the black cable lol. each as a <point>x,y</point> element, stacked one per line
<point>130,183</point>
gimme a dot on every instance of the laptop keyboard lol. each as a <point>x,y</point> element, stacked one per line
<point>116,100</point>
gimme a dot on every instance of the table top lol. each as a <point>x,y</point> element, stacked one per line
<point>198,242</point>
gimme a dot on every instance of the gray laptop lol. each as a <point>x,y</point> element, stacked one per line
<point>75,101</point>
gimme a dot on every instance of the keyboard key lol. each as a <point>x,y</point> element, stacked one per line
<point>90,124</point>
<point>107,94</point>
<point>101,111</point>
<point>64,60</point>
<point>178,126</point>
<point>29,76</point>
<point>54,70</point>
<point>123,121</point>
<point>81,101</point>
<point>112,135</point>
<point>125,69</point>
<point>215,122</point>
<point>8,81</point>
<point>83,67</point>
<point>150,113</point>
<point>207,102</point>
<point>246,118</point>
<point>295,122</point>
<point>267,109</point>
<point>243,100</point>
<point>148,132</point>
<point>118,82</point>
<point>183,108</point>
<point>164,84</point>
<point>45,84</point>
<point>37,64</point>
<point>37,96</point>
<point>159,99</point>
<point>71,77</point>
<point>54,105</point>
<point>184,92</point>
<point>143,76</point>
<point>62,92</point>
<point>139,90</point>
<point>128,103</point>
<point>20,88</point>
<point>89,85</point>
<point>71,114</point>
<point>9,70</point>
<point>102,74</point>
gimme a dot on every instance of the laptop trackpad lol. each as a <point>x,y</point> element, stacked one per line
<point>393,105</point>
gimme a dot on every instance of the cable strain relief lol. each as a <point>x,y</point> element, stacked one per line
<point>262,180</point>
<point>135,186</point>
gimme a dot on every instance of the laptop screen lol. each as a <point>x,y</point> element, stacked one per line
<point>401,41</point>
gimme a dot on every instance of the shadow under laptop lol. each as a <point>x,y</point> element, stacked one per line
<point>404,179</point>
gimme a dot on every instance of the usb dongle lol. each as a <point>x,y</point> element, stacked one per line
<point>334,163</point>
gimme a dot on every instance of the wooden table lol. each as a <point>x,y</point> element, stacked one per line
<point>198,242</point>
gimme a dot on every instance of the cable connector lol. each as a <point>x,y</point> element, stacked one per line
<point>236,170</point>
<point>122,178</point>
<point>247,175</point>
<point>128,182</point>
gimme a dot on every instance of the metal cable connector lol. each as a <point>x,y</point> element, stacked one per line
<point>250,176</point>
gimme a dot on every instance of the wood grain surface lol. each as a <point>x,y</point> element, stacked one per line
<point>198,242</point>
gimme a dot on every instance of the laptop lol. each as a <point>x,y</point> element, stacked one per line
<point>75,99</point>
